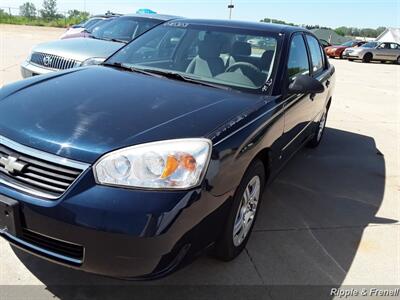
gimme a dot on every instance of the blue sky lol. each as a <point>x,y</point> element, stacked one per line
<point>332,13</point>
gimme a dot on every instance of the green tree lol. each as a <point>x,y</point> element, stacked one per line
<point>379,30</point>
<point>28,10</point>
<point>368,32</point>
<point>77,14</point>
<point>341,31</point>
<point>49,10</point>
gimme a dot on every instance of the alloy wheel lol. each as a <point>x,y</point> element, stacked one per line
<point>246,211</point>
<point>321,126</point>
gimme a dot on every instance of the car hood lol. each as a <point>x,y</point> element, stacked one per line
<point>83,113</point>
<point>79,49</point>
<point>359,49</point>
<point>336,47</point>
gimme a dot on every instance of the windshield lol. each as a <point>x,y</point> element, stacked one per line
<point>348,44</point>
<point>232,57</point>
<point>370,45</point>
<point>91,22</point>
<point>96,26</point>
<point>124,28</point>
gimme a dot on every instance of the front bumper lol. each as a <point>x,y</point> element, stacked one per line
<point>333,52</point>
<point>352,55</point>
<point>122,233</point>
<point>28,70</point>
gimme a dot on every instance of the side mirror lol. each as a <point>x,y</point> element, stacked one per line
<point>305,84</point>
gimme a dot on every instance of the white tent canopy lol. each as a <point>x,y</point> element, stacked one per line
<point>390,35</point>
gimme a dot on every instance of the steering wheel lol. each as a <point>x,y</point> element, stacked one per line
<point>248,69</point>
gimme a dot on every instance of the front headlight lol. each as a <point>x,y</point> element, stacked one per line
<point>171,164</point>
<point>93,61</point>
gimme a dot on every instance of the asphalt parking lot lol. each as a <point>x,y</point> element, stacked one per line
<point>331,217</point>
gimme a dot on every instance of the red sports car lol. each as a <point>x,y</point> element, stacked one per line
<point>337,50</point>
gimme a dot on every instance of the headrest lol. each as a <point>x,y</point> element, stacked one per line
<point>210,47</point>
<point>266,59</point>
<point>241,48</point>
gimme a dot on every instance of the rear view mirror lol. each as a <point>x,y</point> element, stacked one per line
<point>305,84</point>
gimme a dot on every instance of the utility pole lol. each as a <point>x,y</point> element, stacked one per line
<point>231,7</point>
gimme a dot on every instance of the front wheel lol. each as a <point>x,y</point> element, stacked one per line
<point>243,213</point>
<point>319,131</point>
<point>398,60</point>
<point>367,58</point>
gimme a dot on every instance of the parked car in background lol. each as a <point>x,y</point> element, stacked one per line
<point>71,53</point>
<point>75,30</point>
<point>337,50</point>
<point>87,32</point>
<point>324,43</point>
<point>131,168</point>
<point>374,51</point>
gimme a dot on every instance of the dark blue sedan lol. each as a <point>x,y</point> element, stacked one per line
<point>132,168</point>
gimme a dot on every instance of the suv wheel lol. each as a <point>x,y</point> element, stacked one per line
<point>243,213</point>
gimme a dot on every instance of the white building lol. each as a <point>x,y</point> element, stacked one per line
<point>390,35</point>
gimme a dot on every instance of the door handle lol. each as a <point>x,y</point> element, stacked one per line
<point>312,97</point>
<point>328,83</point>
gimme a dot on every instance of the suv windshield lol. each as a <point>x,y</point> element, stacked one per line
<point>231,57</point>
<point>124,29</point>
<point>370,45</point>
<point>95,25</point>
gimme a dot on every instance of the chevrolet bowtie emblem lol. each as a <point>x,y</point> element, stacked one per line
<point>11,164</point>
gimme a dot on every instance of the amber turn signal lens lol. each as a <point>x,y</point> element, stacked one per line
<point>170,167</point>
<point>186,161</point>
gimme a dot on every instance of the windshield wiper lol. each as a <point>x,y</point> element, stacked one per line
<point>165,74</point>
<point>181,77</point>
<point>130,68</point>
<point>116,40</point>
<point>95,37</point>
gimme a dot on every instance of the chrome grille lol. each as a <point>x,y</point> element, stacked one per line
<point>43,175</point>
<point>53,61</point>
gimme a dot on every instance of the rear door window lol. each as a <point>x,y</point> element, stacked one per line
<point>317,59</point>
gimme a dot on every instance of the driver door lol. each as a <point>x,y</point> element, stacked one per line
<point>383,51</point>
<point>299,108</point>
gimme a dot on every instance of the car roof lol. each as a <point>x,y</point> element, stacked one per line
<point>278,28</point>
<point>154,16</point>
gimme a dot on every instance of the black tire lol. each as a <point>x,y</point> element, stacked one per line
<point>397,61</point>
<point>367,57</point>
<point>350,59</point>
<point>225,248</point>
<point>319,131</point>
<point>341,55</point>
